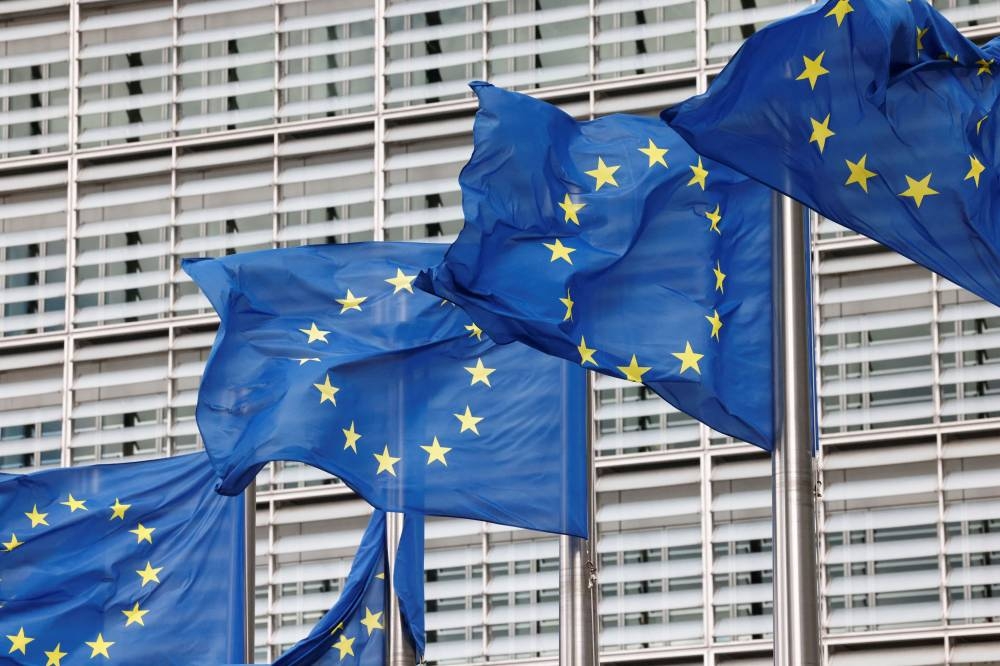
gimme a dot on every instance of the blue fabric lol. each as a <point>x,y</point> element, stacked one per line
<point>75,571</point>
<point>405,367</point>
<point>903,89</point>
<point>408,579</point>
<point>363,597</point>
<point>641,273</point>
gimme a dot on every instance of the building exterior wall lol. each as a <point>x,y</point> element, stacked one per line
<point>134,134</point>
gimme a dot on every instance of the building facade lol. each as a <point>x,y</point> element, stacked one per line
<point>134,134</point>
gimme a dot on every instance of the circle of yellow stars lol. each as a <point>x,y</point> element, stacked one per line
<point>99,647</point>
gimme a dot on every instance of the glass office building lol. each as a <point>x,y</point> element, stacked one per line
<point>136,133</point>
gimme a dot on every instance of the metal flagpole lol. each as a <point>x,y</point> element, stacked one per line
<point>796,599</point>
<point>250,563</point>
<point>400,652</point>
<point>578,577</point>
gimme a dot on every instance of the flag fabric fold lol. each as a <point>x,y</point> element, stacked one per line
<point>612,244</point>
<point>327,355</point>
<point>127,563</point>
<point>353,631</point>
<point>878,114</point>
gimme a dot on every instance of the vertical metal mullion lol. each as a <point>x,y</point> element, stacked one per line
<point>276,98</point>
<point>73,71</point>
<point>484,539</point>
<point>814,278</point>
<point>942,532</point>
<point>168,448</point>
<point>701,44</point>
<point>936,387</point>
<point>378,148</point>
<point>708,555</point>
<point>174,67</point>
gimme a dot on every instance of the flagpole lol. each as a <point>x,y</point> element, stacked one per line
<point>796,599</point>
<point>400,652</point>
<point>578,576</point>
<point>250,563</point>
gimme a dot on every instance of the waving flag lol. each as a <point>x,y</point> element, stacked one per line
<point>353,632</point>
<point>328,356</point>
<point>878,114</point>
<point>611,243</point>
<point>134,563</point>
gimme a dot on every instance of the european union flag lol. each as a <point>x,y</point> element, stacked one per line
<point>613,244</point>
<point>878,114</point>
<point>353,632</point>
<point>134,563</point>
<point>328,356</point>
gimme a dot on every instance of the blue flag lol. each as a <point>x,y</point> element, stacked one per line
<point>611,243</point>
<point>328,356</point>
<point>353,632</point>
<point>878,114</point>
<point>134,563</point>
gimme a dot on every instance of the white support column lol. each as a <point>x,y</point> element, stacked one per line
<point>796,599</point>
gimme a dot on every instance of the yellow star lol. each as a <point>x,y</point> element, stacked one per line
<point>568,302</point>
<point>976,169</point>
<point>655,154</point>
<point>720,277</point>
<point>985,66</point>
<point>143,534</point>
<point>859,173</point>
<point>714,217</point>
<point>920,35</point>
<point>345,645</point>
<point>303,361</point>
<point>351,302</point>
<point>688,358</point>
<point>979,124</point>
<point>36,518</point>
<point>340,625</point>
<point>315,334</point>
<point>149,574</point>
<point>18,642</point>
<point>327,391</point>
<point>603,174</point>
<point>380,576</point>
<point>400,282</point>
<point>716,323</point>
<point>918,189</point>
<point>351,438</point>
<point>468,421</point>
<point>586,353</point>
<point>436,452</point>
<point>700,174</point>
<point>570,210</point>
<point>386,462</point>
<point>54,656</point>
<point>74,504</point>
<point>135,615</point>
<point>821,132</point>
<point>840,10</point>
<point>480,373</point>
<point>99,647</point>
<point>118,510</point>
<point>13,543</point>
<point>633,371</point>
<point>372,620</point>
<point>814,69</point>
<point>474,331</point>
<point>560,251</point>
